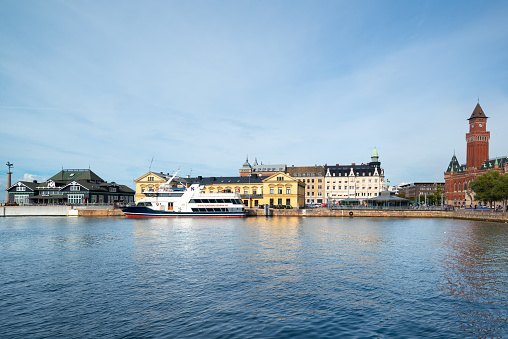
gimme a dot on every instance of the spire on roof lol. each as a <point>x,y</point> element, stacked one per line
<point>478,112</point>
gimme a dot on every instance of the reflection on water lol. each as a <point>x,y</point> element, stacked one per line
<point>257,277</point>
<point>476,270</point>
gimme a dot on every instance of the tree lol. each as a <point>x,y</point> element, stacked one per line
<point>488,187</point>
<point>501,189</point>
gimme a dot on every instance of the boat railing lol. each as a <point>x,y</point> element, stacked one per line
<point>216,195</point>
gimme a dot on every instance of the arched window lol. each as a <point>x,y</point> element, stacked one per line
<point>460,186</point>
<point>465,185</point>
<point>455,187</point>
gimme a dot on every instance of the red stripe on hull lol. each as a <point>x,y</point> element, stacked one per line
<point>185,216</point>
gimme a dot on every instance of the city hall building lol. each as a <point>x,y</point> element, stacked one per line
<point>458,177</point>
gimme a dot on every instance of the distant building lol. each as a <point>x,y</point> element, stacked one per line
<point>262,170</point>
<point>353,181</point>
<point>70,186</point>
<point>314,179</point>
<point>419,191</point>
<point>458,177</point>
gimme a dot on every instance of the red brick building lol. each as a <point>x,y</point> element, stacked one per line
<point>458,177</point>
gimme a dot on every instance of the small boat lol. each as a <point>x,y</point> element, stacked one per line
<point>177,199</point>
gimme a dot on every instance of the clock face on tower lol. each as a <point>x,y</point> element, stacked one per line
<point>481,125</point>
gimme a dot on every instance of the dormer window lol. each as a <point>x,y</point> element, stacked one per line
<point>112,189</point>
<point>74,188</point>
<point>21,189</point>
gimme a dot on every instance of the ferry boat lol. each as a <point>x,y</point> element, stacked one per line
<point>174,199</point>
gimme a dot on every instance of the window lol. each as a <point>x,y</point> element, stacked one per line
<point>74,188</point>
<point>279,201</point>
<point>150,178</point>
<point>288,202</point>
<point>101,199</point>
<point>280,178</point>
<point>244,192</point>
<point>288,190</point>
<point>313,180</point>
<point>271,190</point>
<point>112,189</point>
<point>75,198</point>
<point>211,191</point>
<point>20,189</point>
<point>280,190</point>
<point>320,187</point>
<point>254,191</point>
<point>320,180</point>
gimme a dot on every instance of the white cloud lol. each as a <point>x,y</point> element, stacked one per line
<point>32,177</point>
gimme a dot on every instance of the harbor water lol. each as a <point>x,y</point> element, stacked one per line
<point>257,277</point>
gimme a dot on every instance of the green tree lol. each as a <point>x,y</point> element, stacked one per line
<point>488,187</point>
<point>501,189</point>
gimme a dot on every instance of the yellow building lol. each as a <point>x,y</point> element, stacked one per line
<point>279,189</point>
<point>149,183</point>
<point>282,189</point>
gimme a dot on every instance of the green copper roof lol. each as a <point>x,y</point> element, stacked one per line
<point>75,174</point>
<point>375,153</point>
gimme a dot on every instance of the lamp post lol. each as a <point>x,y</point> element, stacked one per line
<point>9,165</point>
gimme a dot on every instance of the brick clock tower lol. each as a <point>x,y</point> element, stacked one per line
<point>477,139</point>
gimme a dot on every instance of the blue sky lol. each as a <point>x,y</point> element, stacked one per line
<point>199,85</point>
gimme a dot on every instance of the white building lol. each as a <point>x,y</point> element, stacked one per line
<point>353,181</point>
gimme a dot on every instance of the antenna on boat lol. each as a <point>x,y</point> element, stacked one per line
<point>150,168</point>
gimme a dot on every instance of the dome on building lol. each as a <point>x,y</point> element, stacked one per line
<point>375,155</point>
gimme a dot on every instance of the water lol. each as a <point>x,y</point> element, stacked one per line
<point>252,278</point>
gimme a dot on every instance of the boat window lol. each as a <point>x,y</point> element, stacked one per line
<point>141,204</point>
<point>148,204</point>
<point>175,195</point>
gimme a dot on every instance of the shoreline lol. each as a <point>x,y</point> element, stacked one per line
<point>89,211</point>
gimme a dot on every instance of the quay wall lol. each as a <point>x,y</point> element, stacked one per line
<point>89,211</point>
<point>23,211</point>
<point>368,213</point>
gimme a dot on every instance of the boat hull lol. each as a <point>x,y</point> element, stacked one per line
<point>143,212</point>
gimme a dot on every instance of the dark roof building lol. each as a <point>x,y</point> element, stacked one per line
<point>70,186</point>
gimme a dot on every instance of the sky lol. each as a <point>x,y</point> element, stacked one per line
<point>122,87</point>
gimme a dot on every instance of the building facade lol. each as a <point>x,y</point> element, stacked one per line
<point>419,191</point>
<point>314,179</point>
<point>354,182</point>
<point>261,170</point>
<point>458,177</point>
<point>70,186</point>
<point>278,189</point>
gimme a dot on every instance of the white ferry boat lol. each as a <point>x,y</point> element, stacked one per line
<point>180,200</point>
